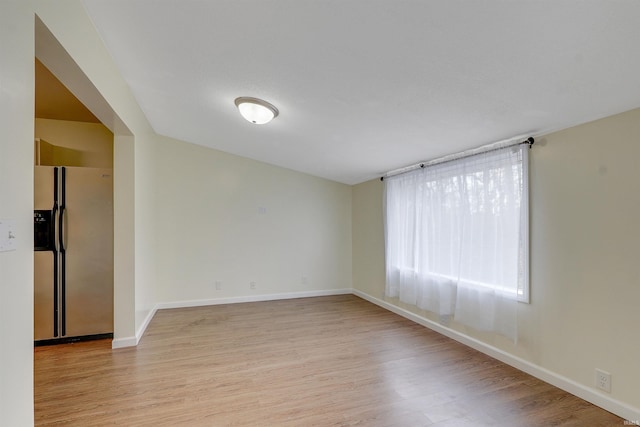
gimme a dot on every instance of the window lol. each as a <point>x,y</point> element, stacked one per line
<point>457,238</point>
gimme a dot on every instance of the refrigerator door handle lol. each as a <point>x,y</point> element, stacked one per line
<point>63,208</point>
<point>56,270</point>
<point>54,222</point>
<point>62,250</point>
<point>61,221</point>
<point>55,210</point>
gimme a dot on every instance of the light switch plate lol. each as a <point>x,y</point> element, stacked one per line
<point>8,240</point>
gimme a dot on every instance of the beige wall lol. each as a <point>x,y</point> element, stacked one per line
<point>77,143</point>
<point>585,281</point>
<point>124,242</point>
<point>146,228</point>
<point>16,203</point>
<point>234,220</point>
<point>368,238</point>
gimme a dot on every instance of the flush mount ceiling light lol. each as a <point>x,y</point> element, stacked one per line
<point>256,110</point>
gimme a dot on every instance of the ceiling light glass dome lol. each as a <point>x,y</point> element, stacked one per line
<point>256,110</point>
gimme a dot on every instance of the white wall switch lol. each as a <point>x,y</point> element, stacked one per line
<point>8,240</point>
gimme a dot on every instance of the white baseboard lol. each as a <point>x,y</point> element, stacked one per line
<point>251,298</point>
<point>621,409</point>
<point>133,341</point>
<point>145,323</point>
<point>124,342</point>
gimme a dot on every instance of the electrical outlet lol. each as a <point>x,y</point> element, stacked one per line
<point>603,380</point>
<point>218,285</point>
<point>252,285</point>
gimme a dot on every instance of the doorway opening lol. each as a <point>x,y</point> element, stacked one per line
<point>73,217</point>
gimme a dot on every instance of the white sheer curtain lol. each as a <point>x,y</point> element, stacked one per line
<point>456,237</point>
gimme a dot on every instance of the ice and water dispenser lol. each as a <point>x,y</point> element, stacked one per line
<point>43,230</point>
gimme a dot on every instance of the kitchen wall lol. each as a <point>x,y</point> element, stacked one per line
<point>585,281</point>
<point>77,143</point>
<point>227,219</point>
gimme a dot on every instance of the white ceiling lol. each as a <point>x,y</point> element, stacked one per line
<point>367,86</point>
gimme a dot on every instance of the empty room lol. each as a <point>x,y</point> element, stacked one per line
<point>266,213</point>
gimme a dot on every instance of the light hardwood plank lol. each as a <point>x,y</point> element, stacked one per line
<point>325,361</point>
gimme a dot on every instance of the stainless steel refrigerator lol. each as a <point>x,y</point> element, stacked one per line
<point>73,258</point>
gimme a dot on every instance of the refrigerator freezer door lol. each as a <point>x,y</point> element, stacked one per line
<point>43,301</point>
<point>43,306</point>
<point>88,242</point>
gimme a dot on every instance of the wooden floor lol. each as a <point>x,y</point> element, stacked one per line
<point>328,361</point>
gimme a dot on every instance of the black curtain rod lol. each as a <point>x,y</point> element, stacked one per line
<point>446,159</point>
